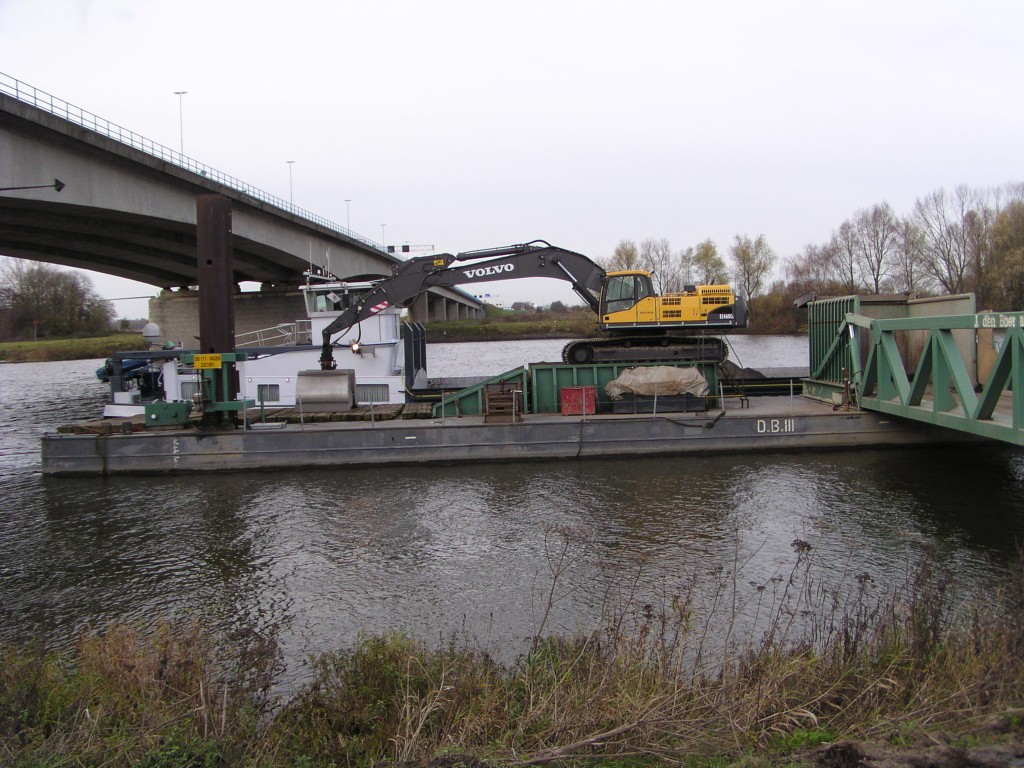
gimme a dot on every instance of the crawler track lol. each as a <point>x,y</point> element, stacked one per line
<point>646,349</point>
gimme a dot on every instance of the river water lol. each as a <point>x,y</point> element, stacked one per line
<point>493,552</point>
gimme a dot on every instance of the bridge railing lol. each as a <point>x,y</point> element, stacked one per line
<point>282,334</point>
<point>59,108</point>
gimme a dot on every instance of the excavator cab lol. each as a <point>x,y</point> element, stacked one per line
<point>622,291</point>
<point>629,302</point>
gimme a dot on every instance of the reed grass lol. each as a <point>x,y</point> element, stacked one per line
<point>749,674</point>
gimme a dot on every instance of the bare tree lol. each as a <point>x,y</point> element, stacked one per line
<point>57,302</point>
<point>625,256</point>
<point>946,245</point>
<point>909,274</point>
<point>844,250</point>
<point>656,257</point>
<point>878,233</point>
<point>752,262</point>
<point>708,266</point>
<point>814,270</point>
<point>685,260</point>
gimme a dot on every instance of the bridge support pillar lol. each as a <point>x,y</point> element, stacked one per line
<point>438,308</point>
<point>419,312</point>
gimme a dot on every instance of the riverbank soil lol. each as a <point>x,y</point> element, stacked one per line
<point>842,754</point>
<point>1006,753</point>
<point>955,754</point>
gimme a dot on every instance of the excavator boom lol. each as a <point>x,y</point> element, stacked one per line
<point>624,301</point>
<point>412,278</point>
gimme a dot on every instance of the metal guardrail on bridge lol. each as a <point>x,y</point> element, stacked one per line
<point>59,108</point>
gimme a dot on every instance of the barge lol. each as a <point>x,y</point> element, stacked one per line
<point>386,438</point>
<point>539,412</point>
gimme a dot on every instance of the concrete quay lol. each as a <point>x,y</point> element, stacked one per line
<point>766,424</point>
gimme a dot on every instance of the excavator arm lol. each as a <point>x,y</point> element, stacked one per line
<point>412,278</point>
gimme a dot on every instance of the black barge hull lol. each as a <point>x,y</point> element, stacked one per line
<point>766,424</point>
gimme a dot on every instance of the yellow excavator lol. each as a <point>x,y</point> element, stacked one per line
<point>639,325</point>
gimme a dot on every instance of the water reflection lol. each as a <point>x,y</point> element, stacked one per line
<point>477,549</point>
<point>496,552</point>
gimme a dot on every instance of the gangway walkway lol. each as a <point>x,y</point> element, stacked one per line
<point>924,368</point>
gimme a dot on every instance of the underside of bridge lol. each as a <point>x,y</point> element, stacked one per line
<point>156,251</point>
<point>126,206</point>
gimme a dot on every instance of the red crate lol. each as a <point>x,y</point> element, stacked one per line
<point>577,401</point>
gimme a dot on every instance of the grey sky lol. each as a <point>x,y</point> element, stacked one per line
<point>472,124</point>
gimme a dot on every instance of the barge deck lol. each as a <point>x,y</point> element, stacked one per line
<point>754,425</point>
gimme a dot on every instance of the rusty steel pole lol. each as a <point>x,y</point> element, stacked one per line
<point>215,270</point>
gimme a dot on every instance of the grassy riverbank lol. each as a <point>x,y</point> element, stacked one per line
<point>510,326</point>
<point>505,327</point>
<point>499,325</point>
<point>655,685</point>
<point>49,350</point>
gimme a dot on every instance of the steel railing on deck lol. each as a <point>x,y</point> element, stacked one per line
<point>942,389</point>
<point>46,102</point>
<point>282,334</point>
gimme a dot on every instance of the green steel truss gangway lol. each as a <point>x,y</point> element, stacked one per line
<point>924,368</point>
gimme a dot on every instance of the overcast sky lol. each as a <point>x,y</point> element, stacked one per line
<point>465,125</point>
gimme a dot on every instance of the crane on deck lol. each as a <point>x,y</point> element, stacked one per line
<point>638,323</point>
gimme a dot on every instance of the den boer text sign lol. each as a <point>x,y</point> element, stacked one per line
<point>999,320</point>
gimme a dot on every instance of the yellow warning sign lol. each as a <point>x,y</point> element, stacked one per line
<point>206,361</point>
<point>438,262</point>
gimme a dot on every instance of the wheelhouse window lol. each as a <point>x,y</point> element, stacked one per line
<point>331,299</point>
<point>268,393</point>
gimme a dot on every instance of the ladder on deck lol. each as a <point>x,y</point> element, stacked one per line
<point>502,403</point>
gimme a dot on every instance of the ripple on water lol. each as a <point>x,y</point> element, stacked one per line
<point>497,552</point>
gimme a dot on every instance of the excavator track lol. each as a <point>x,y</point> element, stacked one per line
<point>646,349</point>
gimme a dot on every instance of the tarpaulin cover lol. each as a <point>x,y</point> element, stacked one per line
<point>658,380</point>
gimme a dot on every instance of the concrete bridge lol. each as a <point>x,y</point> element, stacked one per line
<point>126,206</point>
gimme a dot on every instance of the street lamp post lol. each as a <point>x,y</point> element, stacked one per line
<point>181,121</point>
<point>348,214</point>
<point>382,235</point>
<point>290,196</point>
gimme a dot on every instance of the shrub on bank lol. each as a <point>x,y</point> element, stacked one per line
<point>662,684</point>
<point>51,350</point>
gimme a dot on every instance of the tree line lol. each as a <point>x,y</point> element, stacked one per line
<point>41,301</point>
<point>967,240</point>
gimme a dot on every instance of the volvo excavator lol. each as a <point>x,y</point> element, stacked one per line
<point>639,325</point>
